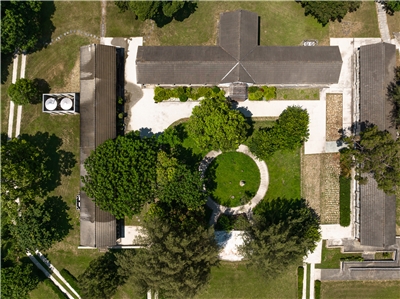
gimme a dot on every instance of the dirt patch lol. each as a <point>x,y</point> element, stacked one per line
<point>149,37</point>
<point>320,185</point>
<point>72,83</point>
<point>344,29</point>
<point>334,116</point>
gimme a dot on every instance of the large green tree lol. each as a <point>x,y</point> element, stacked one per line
<point>374,152</point>
<point>121,174</point>
<point>215,125</point>
<point>282,233</point>
<point>392,6</point>
<point>24,91</point>
<point>101,278</point>
<point>394,96</point>
<point>325,11</point>
<point>20,25</point>
<point>176,264</point>
<point>18,280</point>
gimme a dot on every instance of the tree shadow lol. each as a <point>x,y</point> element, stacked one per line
<point>56,161</point>
<point>188,8</point>
<point>393,95</point>
<point>210,177</point>
<point>58,226</point>
<point>46,24</point>
<point>6,60</point>
<point>42,87</point>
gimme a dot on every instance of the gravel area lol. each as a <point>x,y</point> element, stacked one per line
<point>334,116</point>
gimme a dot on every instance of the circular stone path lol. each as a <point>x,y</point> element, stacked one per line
<point>262,189</point>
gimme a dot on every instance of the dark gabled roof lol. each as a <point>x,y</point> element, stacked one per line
<point>238,58</point>
<point>238,32</point>
<point>97,124</point>
<point>377,63</point>
<point>378,216</point>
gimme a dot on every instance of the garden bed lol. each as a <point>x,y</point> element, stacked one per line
<point>344,201</point>
<point>297,94</point>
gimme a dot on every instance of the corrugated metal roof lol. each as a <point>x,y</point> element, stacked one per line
<point>97,124</point>
<point>238,43</point>
<point>378,216</point>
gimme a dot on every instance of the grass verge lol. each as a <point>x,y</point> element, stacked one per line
<point>73,282</point>
<point>344,201</point>
<point>317,289</point>
<point>393,23</point>
<point>331,257</point>
<point>225,174</point>
<point>297,94</point>
<point>360,289</point>
<point>300,278</point>
<point>308,280</point>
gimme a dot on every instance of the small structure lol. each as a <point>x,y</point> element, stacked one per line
<point>60,103</point>
<point>238,91</point>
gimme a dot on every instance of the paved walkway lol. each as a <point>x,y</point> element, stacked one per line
<point>262,189</point>
<point>383,25</point>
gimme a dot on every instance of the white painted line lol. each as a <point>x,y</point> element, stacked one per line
<point>19,115</point>
<point>23,65</point>
<point>10,120</point>
<point>312,280</point>
<point>304,282</point>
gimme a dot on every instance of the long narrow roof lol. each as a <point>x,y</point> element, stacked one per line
<point>378,216</point>
<point>238,58</point>
<point>97,124</point>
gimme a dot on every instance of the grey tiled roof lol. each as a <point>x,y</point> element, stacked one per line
<point>378,210</point>
<point>97,124</point>
<point>238,58</point>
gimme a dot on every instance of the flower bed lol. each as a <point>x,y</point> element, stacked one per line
<point>261,93</point>
<point>184,93</point>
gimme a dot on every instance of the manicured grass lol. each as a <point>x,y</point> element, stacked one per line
<point>308,280</point>
<point>331,257</point>
<point>297,94</point>
<point>45,290</point>
<point>235,280</point>
<point>370,289</point>
<point>55,64</point>
<point>344,201</point>
<point>284,175</point>
<point>300,277</point>
<point>73,282</point>
<point>281,23</point>
<point>393,23</point>
<point>361,23</point>
<point>317,289</point>
<point>224,175</point>
<point>384,256</point>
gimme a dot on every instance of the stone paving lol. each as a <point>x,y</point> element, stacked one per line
<point>330,189</point>
<point>334,116</point>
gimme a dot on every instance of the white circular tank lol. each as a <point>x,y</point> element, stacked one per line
<point>50,104</point>
<point>66,104</point>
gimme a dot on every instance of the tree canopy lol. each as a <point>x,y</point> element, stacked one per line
<point>392,6</point>
<point>23,92</point>
<point>20,25</point>
<point>289,133</point>
<point>18,280</point>
<point>160,11</point>
<point>177,264</point>
<point>282,233</point>
<point>121,174</point>
<point>325,11</point>
<point>215,125</point>
<point>376,153</point>
<point>394,96</point>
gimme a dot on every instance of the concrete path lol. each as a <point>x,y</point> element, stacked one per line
<point>48,275</point>
<point>262,189</point>
<point>304,295</point>
<point>19,110</point>
<point>383,25</point>
<point>12,105</point>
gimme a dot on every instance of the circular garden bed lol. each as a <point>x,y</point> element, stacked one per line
<point>232,179</point>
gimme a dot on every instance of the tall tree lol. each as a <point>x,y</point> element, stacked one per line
<point>293,123</point>
<point>215,125</point>
<point>177,264</point>
<point>282,233</point>
<point>20,25</point>
<point>394,96</point>
<point>18,280</point>
<point>121,174</point>
<point>101,279</point>
<point>325,11</point>
<point>24,91</point>
<point>376,153</point>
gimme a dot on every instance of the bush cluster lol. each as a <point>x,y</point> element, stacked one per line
<point>261,93</point>
<point>232,222</point>
<point>183,93</point>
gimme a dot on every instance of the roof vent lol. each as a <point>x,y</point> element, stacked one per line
<point>51,104</point>
<point>66,104</point>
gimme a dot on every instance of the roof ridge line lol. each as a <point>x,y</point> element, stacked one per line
<point>254,81</point>
<point>230,71</point>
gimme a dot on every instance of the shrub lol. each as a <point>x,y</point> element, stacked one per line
<point>269,92</point>
<point>224,223</point>
<point>160,94</point>
<point>300,277</point>
<point>344,201</point>
<point>183,97</point>
<point>256,96</point>
<point>120,101</point>
<point>317,289</point>
<point>24,91</point>
<point>252,89</point>
<point>216,89</point>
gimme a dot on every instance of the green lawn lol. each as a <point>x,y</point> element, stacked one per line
<point>281,23</point>
<point>308,281</point>
<point>331,257</point>
<point>284,175</point>
<point>297,94</point>
<point>360,289</point>
<point>345,201</point>
<point>233,280</point>
<point>225,174</point>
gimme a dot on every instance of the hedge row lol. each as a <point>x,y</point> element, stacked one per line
<point>344,201</point>
<point>300,277</point>
<point>317,289</point>
<point>261,93</point>
<point>184,93</point>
